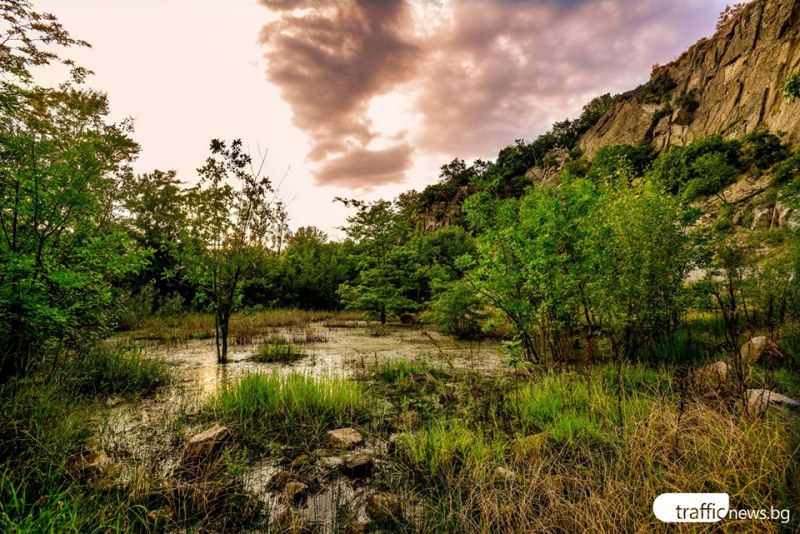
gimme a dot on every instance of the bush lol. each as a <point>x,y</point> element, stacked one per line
<point>762,150</point>
<point>458,311</point>
<point>789,170</point>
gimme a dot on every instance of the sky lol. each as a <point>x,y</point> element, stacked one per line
<point>363,99</point>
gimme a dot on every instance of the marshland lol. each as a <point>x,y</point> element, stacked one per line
<point>545,342</point>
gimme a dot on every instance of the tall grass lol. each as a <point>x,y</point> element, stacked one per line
<point>116,370</point>
<point>589,456</point>
<point>295,409</point>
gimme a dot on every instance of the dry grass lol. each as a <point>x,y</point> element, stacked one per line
<point>585,471</point>
<point>244,329</point>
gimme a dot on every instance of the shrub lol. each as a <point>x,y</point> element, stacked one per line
<point>762,150</point>
<point>458,311</point>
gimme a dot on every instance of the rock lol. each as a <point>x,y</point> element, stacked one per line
<point>784,213</point>
<point>713,374</point>
<point>358,464</point>
<point>736,74</point>
<point>207,443</point>
<point>505,474</point>
<point>295,492</point>
<point>409,318</point>
<point>343,438</point>
<point>762,218</point>
<point>751,351</point>
<point>758,400</point>
<point>384,508</point>
<point>300,462</point>
<point>681,117</point>
<point>96,469</point>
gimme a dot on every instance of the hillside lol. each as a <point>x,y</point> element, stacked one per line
<point>729,84</point>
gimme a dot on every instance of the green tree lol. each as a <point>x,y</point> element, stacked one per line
<point>383,265</point>
<point>231,218</point>
<point>62,248</point>
<point>156,218</point>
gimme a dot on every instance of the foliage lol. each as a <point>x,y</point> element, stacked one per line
<point>612,160</point>
<point>384,267</point>
<point>762,150</point>
<point>230,227</point>
<point>792,87</point>
<point>458,311</point>
<point>61,247</point>
<point>657,90</point>
<point>679,166</point>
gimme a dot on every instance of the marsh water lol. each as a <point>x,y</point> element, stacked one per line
<point>146,436</point>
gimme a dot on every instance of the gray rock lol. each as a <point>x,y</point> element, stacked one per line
<point>758,400</point>
<point>752,350</point>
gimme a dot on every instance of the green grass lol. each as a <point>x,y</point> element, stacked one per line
<point>116,370</point>
<point>277,353</point>
<point>402,376</point>
<point>447,450</point>
<point>294,410</point>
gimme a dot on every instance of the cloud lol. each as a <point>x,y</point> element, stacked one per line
<point>330,61</point>
<point>363,168</point>
<point>479,73</point>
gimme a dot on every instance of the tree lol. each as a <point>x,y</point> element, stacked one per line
<point>383,266</point>
<point>25,40</point>
<point>156,217</point>
<point>230,227</point>
<point>61,247</point>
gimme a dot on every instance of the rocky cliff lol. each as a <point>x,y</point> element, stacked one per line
<point>729,84</point>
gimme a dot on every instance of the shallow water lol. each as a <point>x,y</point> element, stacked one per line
<point>141,438</point>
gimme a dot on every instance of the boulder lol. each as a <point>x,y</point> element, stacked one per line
<point>758,400</point>
<point>784,213</point>
<point>358,464</point>
<point>343,438</point>
<point>295,492</point>
<point>713,374</point>
<point>751,351</point>
<point>762,218</point>
<point>384,508</point>
<point>300,462</point>
<point>207,443</point>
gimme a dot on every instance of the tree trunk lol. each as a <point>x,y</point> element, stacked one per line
<point>383,315</point>
<point>222,355</point>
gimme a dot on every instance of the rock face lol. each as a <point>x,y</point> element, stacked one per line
<point>343,438</point>
<point>737,77</point>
